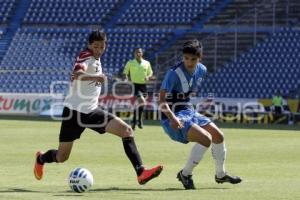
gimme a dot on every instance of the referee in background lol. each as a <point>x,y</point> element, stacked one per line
<point>139,71</point>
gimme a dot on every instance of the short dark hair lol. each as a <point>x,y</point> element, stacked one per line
<point>193,47</point>
<point>137,48</point>
<point>97,35</point>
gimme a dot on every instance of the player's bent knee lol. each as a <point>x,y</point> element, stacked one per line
<point>122,129</point>
<point>209,139</point>
<point>221,138</point>
<point>128,131</point>
<point>125,129</point>
<point>206,140</point>
<point>119,128</point>
<point>218,138</point>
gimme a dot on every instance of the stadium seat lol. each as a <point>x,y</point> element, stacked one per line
<point>262,73</point>
<point>6,10</point>
<point>145,12</point>
<point>61,12</point>
<point>54,49</point>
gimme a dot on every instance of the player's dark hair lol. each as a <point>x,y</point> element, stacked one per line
<point>97,35</point>
<point>137,48</point>
<point>193,47</point>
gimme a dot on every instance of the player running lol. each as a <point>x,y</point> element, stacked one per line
<point>81,111</point>
<point>183,124</point>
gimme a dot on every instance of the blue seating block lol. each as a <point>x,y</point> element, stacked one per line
<point>259,74</point>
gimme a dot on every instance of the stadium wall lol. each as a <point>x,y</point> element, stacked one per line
<point>222,109</point>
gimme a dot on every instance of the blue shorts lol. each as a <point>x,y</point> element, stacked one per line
<point>189,117</point>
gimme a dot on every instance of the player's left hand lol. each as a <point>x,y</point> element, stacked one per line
<point>176,123</point>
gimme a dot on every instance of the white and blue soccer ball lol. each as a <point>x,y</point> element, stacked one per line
<point>80,180</point>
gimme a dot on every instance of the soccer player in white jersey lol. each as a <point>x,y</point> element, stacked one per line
<point>183,124</point>
<point>81,111</point>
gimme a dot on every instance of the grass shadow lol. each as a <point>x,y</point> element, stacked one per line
<point>149,189</point>
<point>70,193</point>
<point>13,190</point>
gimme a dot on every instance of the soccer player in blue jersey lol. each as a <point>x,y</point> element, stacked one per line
<point>183,124</point>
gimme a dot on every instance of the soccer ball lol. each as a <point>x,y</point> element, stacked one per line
<point>80,180</point>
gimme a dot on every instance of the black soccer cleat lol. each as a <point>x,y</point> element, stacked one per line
<point>133,126</point>
<point>140,125</point>
<point>186,181</point>
<point>228,179</point>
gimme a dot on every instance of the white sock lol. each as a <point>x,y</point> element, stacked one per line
<point>196,155</point>
<point>219,154</point>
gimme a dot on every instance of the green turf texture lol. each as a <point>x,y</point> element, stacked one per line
<point>266,157</point>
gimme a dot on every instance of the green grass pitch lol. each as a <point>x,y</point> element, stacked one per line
<point>267,158</point>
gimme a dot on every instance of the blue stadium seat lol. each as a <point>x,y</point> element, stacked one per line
<point>61,12</point>
<point>261,74</point>
<point>54,49</point>
<point>165,12</point>
<point>6,10</point>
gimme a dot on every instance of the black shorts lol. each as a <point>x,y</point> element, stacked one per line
<point>74,123</point>
<point>278,110</point>
<point>140,90</point>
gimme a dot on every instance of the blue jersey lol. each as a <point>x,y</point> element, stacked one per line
<point>179,84</point>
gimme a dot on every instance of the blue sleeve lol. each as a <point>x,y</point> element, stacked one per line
<point>203,71</point>
<point>169,81</point>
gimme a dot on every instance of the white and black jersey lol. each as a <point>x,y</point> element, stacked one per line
<point>81,105</point>
<point>83,95</point>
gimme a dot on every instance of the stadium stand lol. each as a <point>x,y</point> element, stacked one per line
<point>272,65</point>
<point>32,81</point>
<point>55,49</point>
<point>1,32</point>
<point>70,12</point>
<point>123,41</point>
<point>238,28</point>
<point>6,9</point>
<point>44,48</point>
<point>143,12</point>
<point>52,32</point>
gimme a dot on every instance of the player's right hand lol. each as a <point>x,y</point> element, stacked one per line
<point>176,123</point>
